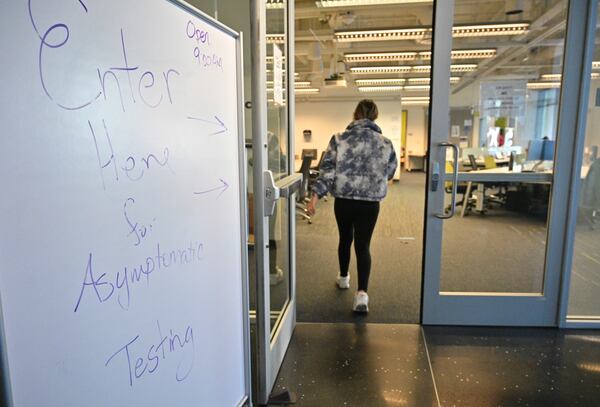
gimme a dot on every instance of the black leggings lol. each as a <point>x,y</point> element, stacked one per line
<point>356,220</point>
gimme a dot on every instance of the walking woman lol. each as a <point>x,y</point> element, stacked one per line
<point>356,169</point>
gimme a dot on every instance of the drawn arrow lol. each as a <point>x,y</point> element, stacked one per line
<point>218,122</point>
<point>223,188</point>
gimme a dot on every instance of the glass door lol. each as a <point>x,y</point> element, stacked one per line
<point>274,186</point>
<point>499,149</point>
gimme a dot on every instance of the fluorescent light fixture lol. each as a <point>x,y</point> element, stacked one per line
<point>275,38</point>
<point>543,85</point>
<point>463,67</point>
<point>551,77</point>
<point>298,84</point>
<point>487,30</point>
<point>415,55</point>
<point>381,56</point>
<point>308,90</point>
<point>595,64</point>
<point>346,3</point>
<point>427,80</point>
<point>376,82</point>
<point>369,70</point>
<point>274,4</point>
<point>417,33</point>
<point>416,88</point>
<point>379,89</point>
<point>366,70</point>
<point>416,103</point>
<point>415,100</point>
<point>302,84</point>
<point>465,54</point>
<point>558,77</point>
<point>421,69</point>
<point>382,35</point>
<point>419,81</point>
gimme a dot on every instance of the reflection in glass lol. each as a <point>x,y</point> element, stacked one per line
<point>277,163</point>
<point>584,299</point>
<point>504,118</point>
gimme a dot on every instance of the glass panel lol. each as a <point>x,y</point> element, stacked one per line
<point>503,115</point>
<point>584,299</point>
<point>278,156</point>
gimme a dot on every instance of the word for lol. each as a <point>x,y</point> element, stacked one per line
<point>202,39</point>
<point>103,286</point>
<point>142,359</point>
<point>136,229</point>
<point>133,169</point>
<point>139,84</point>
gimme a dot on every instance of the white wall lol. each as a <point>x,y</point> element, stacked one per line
<point>327,118</point>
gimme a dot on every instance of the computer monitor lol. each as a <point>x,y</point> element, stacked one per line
<point>540,150</point>
<point>548,150</point>
<point>535,150</point>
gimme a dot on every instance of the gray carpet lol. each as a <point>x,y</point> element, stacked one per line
<point>396,251</point>
<point>500,251</point>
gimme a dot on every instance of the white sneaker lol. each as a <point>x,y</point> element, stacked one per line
<point>343,282</point>
<point>361,302</point>
<point>277,277</point>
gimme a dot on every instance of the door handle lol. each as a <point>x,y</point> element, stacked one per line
<point>283,188</point>
<point>455,152</point>
<point>272,193</point>
<point>289,185</point>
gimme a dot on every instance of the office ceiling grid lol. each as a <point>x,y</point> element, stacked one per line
<point>393,41</point>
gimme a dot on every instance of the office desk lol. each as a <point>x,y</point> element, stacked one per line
<point>502,174</point>
<point>495,175</point>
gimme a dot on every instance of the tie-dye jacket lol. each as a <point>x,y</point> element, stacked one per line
<point>357,164</point>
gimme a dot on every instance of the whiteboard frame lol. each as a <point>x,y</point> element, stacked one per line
<point>5,382</point>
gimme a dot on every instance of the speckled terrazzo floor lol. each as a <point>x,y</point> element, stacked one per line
<point>372,365</point>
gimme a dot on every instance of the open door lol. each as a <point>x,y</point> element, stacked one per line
<point>274,186</point>
<point>502,266</point>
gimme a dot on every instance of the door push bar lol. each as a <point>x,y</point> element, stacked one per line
<point>435,180</point>
<point>283,188</point>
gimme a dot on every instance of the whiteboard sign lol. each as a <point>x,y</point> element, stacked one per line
<point>122,247</point>
<point>277,75</point>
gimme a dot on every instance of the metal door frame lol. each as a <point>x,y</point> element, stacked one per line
<point>270,347</point>
<point>509,309</point>
<point>583,62</point>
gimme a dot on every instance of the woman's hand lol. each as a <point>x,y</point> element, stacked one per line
<point>311,207</point>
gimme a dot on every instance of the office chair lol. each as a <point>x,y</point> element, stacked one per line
<point>309,152</point>
<point>314,172</point>
<point>302,195</point>
<point>499,197</point>
<point>461,189</point>
<point>316,167</point>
